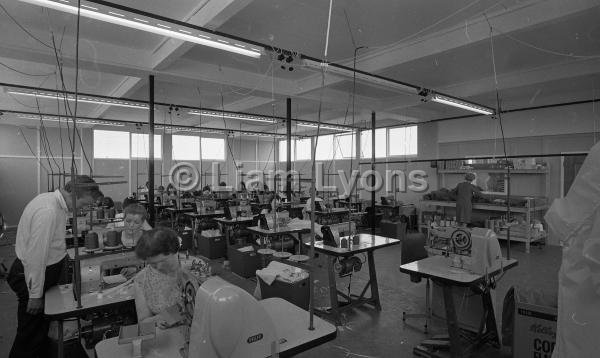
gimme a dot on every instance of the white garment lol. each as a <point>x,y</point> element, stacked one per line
<point>576,220</point>
<point>40,238</point>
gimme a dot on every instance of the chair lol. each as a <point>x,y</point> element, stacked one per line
<point>413,249</point>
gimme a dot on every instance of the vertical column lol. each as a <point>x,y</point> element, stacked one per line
<point>288,165</point>
<point>151,149</point>
<point>373,216</point>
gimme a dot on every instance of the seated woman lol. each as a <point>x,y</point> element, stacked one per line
<point>135,224</point>
<point>157,284</point>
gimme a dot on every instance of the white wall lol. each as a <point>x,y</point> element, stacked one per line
<point>25,167</point>
<point>583,118</point>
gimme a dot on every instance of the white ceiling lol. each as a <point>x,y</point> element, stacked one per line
<point>545,52</point>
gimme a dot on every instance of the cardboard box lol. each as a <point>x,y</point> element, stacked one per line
<point>212,247</point>
<point>296,293</point>
<point>534,329</point>
<point>244,264</point>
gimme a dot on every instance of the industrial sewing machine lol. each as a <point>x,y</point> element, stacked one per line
<point>223,320</point>
<point>474,249</point>
<point>99,277</point>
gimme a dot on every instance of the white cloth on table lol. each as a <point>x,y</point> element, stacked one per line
<point>576,220</point>
<point>40,240</point>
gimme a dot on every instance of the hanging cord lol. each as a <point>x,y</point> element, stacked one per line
<point>499,113</point>
<point>31,150</point>
<point>23,28</point>
<point>227,136</point>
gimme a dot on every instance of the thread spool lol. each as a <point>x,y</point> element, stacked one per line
<point>113,238</point>
<point>91,241</point>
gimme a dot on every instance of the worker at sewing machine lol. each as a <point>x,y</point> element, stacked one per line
<point>135,224</point>
<point>465,192</point>
<point>41,254</point>
<point>319,206</point>
<point>157,284</point>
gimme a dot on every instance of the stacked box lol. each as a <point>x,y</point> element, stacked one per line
<point>296,293</point>
<point>212,247</point>
<point>534,329</point>
<point>244,264</point>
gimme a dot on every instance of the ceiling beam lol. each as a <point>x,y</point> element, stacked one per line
<point>208,13</point>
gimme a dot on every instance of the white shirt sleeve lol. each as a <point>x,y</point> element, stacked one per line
<point>34,264</point>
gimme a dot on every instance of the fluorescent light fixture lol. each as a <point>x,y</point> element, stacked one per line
<point>256,134</point>
<point>197,130</point>
<point>148,24</point>
<point>348,73</point>
<point>325,126</point>
<point>454,102</point>
<point>79,121</point>
<point>84,99</point>
<point>243,117</point>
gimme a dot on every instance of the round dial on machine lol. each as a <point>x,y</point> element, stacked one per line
<point>189,297</point>
<point>461,240</point>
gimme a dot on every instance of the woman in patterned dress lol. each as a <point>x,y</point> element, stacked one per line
<point>157,284</point>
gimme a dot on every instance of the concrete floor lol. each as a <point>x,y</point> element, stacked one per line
<point>365,332</point>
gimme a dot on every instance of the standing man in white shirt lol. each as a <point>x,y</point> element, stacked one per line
<point>41,249</point>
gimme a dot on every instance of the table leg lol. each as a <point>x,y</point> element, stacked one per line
<point>456,350</point>
<point>227,229</point>
<point>333,293</point>
<point>491,329</point>
<point>60,343</point>
<point>300,244</point>
<point>373,280</point>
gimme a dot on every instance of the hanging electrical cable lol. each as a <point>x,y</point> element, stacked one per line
<point>499,114</point>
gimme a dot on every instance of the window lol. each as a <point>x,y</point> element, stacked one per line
<point>213,148</point>
<point>380,143</point>
<point>303,149</point>
<point>403,141</point>
<point>325,148</point>
<point>186,147</point>
<point>345,146</point>
<point>140,146</point>
<point>111,145</point>
<point>283,150</point>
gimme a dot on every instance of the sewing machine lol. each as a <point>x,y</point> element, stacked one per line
<point>93,277</point>
<point>474,249</point>
<point>223,320</point>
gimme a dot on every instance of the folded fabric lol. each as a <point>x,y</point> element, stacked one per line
<point>281,272</point>
<point>246,248</point>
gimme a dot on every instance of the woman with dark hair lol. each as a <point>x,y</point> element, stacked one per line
<point>135,224</point>
<point>157,284</point>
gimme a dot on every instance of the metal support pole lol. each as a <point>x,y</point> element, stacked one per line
<point>373,216</point>
<point>151,150</point>
<point>288,166</point>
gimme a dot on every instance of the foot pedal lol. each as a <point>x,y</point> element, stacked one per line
<point>441,337</point>
<point>434,343</point>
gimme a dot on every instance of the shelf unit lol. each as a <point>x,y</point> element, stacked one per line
<point>531,209</point>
